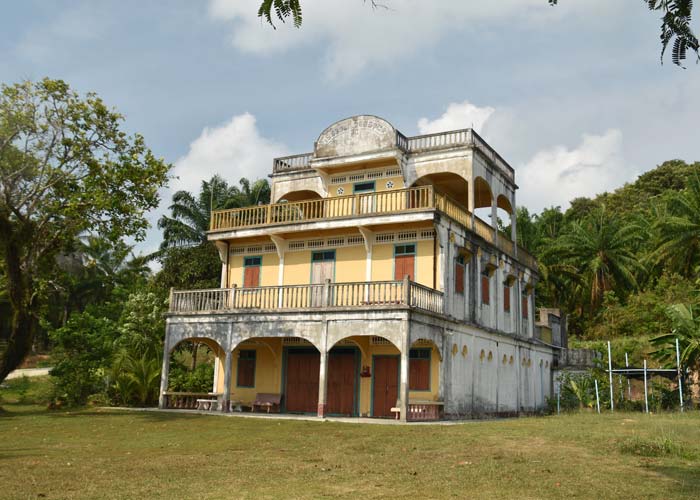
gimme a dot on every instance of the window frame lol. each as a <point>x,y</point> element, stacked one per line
<point>486,297</point>
<point>460,263</point>
<point>429,358</point>
<point>245,266</point>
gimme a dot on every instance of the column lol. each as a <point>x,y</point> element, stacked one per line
<point>322,384</point>
<point>165,371</point>
<point>226,398</point>
<point>494,219</point>
<point>403,385</point>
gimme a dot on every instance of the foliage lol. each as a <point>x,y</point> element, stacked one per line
<point>576,391</point>
<point>675,22</point>
<point>136,379</point>
<point>66,168</point>
<point>190,215</point>
<point>189,268</point>
<point>82,348</point>
<point>686,328</point>
<point>200,379</point>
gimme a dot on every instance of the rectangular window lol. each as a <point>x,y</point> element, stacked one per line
<point>419,369</point>
<point>485,289</point>
<point>459,275</point>
<point>363,187</point>
<point>506,298</point>
<point>526,312</point>
<point>246,369</point>
<point>251,272</point>
<point>327,256</point>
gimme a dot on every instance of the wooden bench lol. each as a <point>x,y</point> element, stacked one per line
<point>271,402</point>
<point>208,404</point>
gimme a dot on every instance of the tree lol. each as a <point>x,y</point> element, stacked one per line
<point>191,215</point>
<point>686,328</point>
<point>66,168</point>
<point>678,246</point>
<point>675,22</point>
<point>601,249</point>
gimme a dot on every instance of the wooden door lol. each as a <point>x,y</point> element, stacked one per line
<point>322,269</point>
<point>385,385</point>
<point>301,387</point>
<point>251,277</point>
<point>342,376</point>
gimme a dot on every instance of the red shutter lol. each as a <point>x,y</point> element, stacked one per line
<point>459,278</point>
<point>419,374</point>
<point>506,298</point>
<point>485,290</point>
<point>246,372</point>
<point>403,265</point>
<point>526,312</point>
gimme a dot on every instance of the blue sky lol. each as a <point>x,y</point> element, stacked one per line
<point>572,96</point>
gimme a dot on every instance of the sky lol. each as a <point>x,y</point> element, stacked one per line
<point>574,97</point>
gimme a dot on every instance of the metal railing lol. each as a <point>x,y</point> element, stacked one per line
<point>369,295</point>
<point>416,144</point>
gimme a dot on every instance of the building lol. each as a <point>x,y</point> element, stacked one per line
<point>370,286</point>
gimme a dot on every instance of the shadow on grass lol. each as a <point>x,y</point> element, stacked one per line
<point>12,410</point>
<point>687,478</point>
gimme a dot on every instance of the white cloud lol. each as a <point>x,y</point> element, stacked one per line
<point>356,36</point>
<point>458,115</point>
<point>233,150</point>
<point>556,175</point>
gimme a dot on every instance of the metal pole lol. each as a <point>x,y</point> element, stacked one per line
<point>597,398</point>
<point>558,398</point>
<point>629,386</point>
<point>612,404</point>
<point>678,367</point>
<point>646,398</point>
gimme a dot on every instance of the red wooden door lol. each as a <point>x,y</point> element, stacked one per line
<point>341,383</point>
<point>385,385</point>
<point>403,265</point>
<point>251,277</point>
<point>301,388</point>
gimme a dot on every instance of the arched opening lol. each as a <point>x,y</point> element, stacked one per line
<point>504,211</point>
<point>195,368</point>
<point>363,370</point>
<point>302,195</point>
<point>448,183</point>
<point>482,199</point>
<point>275,374</point>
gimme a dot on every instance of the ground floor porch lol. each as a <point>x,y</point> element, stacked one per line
<point>388,364</point>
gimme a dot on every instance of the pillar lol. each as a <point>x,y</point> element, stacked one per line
<point>165,371</point>
<point>494,218</point>
<point>403,385</point>
<point>322,384</point>
<point>226,398</point>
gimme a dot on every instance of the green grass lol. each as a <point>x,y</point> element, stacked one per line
<point>94,453</point>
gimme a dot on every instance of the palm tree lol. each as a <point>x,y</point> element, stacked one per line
<point>686,328</point>
<point>601,250</point>
<point>190,214</point>
<point>678,243</point>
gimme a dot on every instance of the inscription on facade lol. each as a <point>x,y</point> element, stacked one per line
<point>359,134</point>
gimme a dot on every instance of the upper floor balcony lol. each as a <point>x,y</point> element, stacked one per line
<point>400,201</point>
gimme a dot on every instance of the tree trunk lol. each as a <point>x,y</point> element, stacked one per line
<point>23,321</point>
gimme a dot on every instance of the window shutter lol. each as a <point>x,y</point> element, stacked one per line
<point>485,290</point>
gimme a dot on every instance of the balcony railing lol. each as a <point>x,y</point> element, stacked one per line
<point>387,202</point>
<point>416,144</point>
<point>367,295</point>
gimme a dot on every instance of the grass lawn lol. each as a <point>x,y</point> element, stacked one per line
<point>97,453</point>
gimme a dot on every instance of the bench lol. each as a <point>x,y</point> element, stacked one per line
<point>267,401</point>
<point>208,404</point>
<point>421,410</point>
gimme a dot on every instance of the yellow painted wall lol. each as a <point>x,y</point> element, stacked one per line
<point>350,264</point>
<point>297,268</point>
<point>268,370</point>
<point>383,262</point>
<point>379,185</point>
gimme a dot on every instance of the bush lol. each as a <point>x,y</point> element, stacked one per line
<point>201,379</point>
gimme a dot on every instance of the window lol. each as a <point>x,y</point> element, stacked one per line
<point>485,289</point>
<point>459,275</point>
<point>326,256</point>
<point>251,271</point>
<point>526,312</point>
<point>419,369</point>
<point>506,298</point>
<point>246,369</point>
<point>363,187</point>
